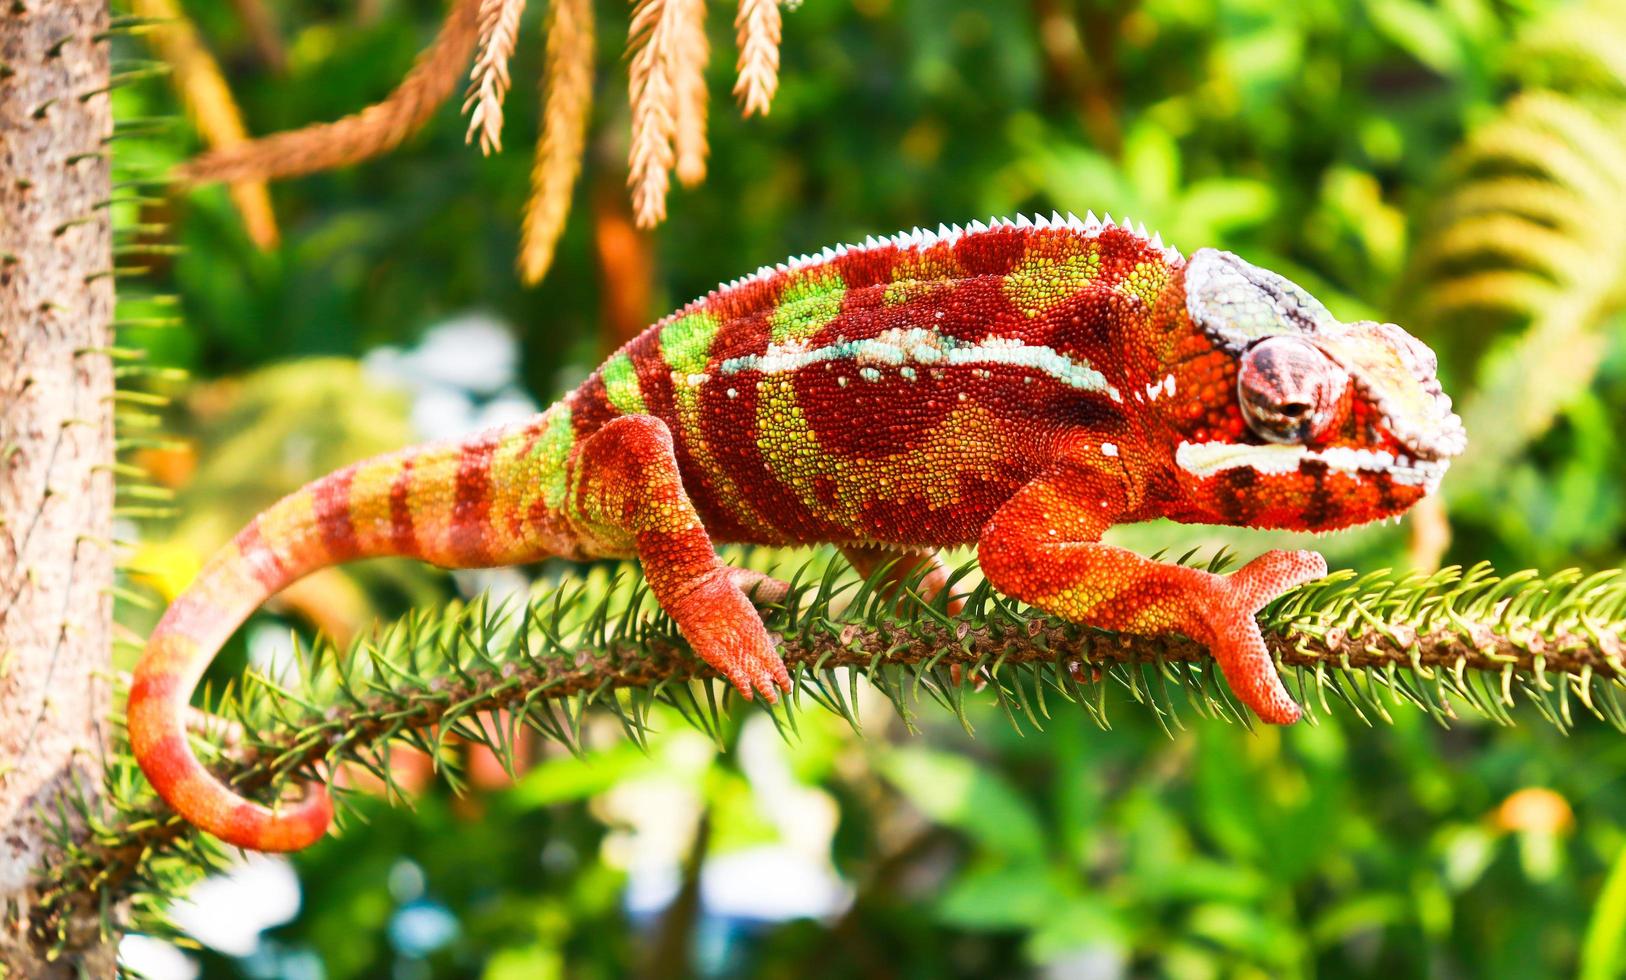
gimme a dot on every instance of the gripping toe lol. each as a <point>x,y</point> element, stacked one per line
<point>1259,581</point>
<point>1236,642</point>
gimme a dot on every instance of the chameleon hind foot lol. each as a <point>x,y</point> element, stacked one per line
<point>718,620</point>
<point>627,491</point>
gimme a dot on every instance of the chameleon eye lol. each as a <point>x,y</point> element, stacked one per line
<point>1288,389</point>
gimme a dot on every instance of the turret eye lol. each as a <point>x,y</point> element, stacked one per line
<point>1288,389</point>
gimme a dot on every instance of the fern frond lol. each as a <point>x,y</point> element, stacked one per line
<point>689,135</point>
<point>1530,232</point>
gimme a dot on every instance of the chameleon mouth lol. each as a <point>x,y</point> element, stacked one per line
<point>1205,459</point>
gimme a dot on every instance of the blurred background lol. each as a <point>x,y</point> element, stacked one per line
<point>1458,167</point>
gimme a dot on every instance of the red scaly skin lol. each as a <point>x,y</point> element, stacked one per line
<point>1024,386</point>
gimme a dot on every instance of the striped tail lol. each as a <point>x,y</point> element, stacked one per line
<point>421,503</point>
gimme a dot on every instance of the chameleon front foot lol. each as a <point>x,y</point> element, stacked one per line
<point>1226,621</point>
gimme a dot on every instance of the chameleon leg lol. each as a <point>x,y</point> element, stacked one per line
<point>866,559</point>
<point>1043,547</point>
<point>626,493</point>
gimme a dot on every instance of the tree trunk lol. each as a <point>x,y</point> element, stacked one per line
<point>56,448</point>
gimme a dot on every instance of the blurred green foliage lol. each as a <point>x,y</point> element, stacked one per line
<point>1312,137</point>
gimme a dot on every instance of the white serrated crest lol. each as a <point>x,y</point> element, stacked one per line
<point>947,234</point>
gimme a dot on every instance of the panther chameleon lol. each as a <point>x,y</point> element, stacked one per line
<point>1023,385</point>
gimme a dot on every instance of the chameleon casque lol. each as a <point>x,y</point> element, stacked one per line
<point>1022,385</point>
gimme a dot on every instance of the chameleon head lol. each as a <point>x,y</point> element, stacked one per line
<point>1318,424</point>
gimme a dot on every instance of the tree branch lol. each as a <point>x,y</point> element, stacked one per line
<point>1445,642</point>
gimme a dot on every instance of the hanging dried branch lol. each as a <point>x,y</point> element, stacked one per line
<point>653,38</point>
<point>372,131</point>
<point>568,81</point>
<point>689,75</point>
<point>667,90</point>
<point>196,77</point>
<point>757,30</point>
<point>489,81</point>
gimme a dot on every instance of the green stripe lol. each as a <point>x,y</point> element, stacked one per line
<point>553,453</point>
<point>686,342</point>
<point>621,386</point>
<point>807,305</point>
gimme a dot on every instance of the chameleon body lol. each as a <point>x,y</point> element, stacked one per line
<point>1022,385</point>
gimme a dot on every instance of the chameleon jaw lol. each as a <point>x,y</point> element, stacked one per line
<point>1205,459</point>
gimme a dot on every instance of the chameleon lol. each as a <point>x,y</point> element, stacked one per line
<point>1023,385</point>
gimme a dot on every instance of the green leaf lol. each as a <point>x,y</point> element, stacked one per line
<point>1602,956</point>
<point>1082,927</point>
<point>1020,896</point>
<point>569,777</point>
<point>1422,31</point>
<point>524,963</point>
<point>957,792</point>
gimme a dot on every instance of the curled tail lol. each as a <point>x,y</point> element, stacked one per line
<point>443,504</point>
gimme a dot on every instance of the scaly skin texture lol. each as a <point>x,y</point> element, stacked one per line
<point>1024,386</point>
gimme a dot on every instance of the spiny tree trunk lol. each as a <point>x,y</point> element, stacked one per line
<point>56,494</point>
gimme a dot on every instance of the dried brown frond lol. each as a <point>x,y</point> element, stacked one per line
<point>653,38</point>
<point>689,75</point>
<point>757,29</point>
<point>568,80</point>
<point>488,82</point>
<point>209,102</point>
<point>354,138</point>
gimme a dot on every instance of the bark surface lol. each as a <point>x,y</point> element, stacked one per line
<point>56,447</point>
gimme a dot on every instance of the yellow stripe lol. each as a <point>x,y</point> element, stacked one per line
<point>431,496</point>
<point>512,489</point>
<point>370,502</point>
<point>286,528</point>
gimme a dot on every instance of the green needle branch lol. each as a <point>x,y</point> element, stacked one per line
<point>1447,643</point>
